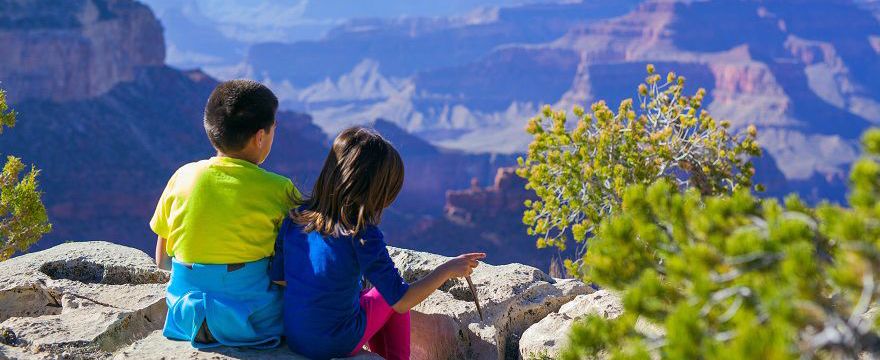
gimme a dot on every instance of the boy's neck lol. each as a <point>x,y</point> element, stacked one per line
<point>241,156</point>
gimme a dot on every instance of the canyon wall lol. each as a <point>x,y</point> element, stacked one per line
<point>75,49</point>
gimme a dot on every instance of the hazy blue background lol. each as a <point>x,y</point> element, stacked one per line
<point>110,94</point>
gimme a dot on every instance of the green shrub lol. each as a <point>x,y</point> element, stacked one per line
<point>735,277</point>
<point>23,218</point>
<point>579,173</point>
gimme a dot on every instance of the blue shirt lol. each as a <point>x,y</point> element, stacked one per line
<point>322,313</point>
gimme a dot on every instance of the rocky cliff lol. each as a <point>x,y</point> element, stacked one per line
<point>97,300</point>
<point>505,197</point>
<point>74,49</point>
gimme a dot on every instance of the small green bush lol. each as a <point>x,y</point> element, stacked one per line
<point>580,173</point>
<point>23,219</point>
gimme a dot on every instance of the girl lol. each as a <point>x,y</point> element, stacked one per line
<point>332,241</point>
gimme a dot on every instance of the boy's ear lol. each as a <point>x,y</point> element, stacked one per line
<point>259,137</point>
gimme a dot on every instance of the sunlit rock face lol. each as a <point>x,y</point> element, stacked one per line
<point>75,49</point>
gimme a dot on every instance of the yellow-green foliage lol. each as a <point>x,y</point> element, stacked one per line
<point>579,173</point>
<point>736,277</point>
<point>23,217</point>
<point>7,116</point>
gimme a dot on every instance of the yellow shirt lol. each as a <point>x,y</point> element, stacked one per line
<point>222,211</point>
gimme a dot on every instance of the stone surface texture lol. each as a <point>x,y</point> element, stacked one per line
<point>549,335</point>
<point>513,297</point>
<point>84,299</point>
<point>97,300</point>
<point>156,347</point>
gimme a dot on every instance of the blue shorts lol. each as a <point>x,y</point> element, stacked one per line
<point>242,306</point>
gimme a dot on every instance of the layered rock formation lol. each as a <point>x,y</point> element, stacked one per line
<point>798,70</point>
<point>75,50</point>
<point>432,171</point>
<point>99,300</point>
<point>485,219</point>
<point>404,46</point>
<point>504,198</point>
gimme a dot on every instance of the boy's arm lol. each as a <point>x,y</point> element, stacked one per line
<point>159,224</point>
<point>163,261</point>
<point>276,264</point>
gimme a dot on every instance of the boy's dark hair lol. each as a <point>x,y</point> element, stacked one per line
<point>362,176</point>
<point>236,110</point>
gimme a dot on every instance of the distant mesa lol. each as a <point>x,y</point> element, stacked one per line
<point>806,84</point>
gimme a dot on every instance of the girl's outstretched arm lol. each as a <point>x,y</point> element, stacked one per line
<point>461,266</point>
<point>163,261</point>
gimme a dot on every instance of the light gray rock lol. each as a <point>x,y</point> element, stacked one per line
<point>156,347</point>
<point>82,299</point>
<point>12,352</point>
<point>549,336</point>
<point>93,300</point>
<point>513,297</point>
<point>98,300</point>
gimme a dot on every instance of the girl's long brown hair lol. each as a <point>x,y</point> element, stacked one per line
<point>362,175</point>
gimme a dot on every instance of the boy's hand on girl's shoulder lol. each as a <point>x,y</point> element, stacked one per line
<point>462,265</point>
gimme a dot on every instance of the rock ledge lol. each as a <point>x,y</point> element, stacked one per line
<point>106,301</point>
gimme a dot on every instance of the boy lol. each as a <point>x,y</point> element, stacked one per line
<point>216,224</point>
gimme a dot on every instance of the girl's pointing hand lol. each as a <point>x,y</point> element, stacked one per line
<point>462,265</point>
